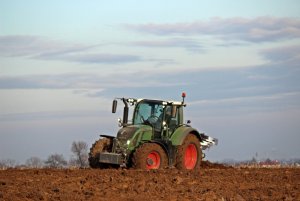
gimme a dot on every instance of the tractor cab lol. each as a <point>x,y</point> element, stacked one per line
<point>163,116</point>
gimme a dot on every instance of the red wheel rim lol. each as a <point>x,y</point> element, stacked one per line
<point>190,157</point>
<point>153,160</point>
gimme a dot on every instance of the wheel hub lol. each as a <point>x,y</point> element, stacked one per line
<point>153,160</point>
<point>149,161</point>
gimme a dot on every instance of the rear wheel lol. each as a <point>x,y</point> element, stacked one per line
<point>189,154</point>
<point>149,156</point>
<point>104,144</point>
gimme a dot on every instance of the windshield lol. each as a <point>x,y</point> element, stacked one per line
<point>148,111</point>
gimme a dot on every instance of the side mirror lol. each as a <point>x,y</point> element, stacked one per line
<point>174,111</point>
<point>114,106</point>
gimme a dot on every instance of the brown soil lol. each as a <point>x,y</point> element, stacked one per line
<point>211,182</point>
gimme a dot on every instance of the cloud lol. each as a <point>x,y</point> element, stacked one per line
<point>89,92</point>
<point>41,48</point>
<point>14,45</point>
<point>189,44</point>
<point>216,83</point>
<point>285,54</point>
<point>46,81</point>
<point>82,81</point>
<point>260,29</point>
<point>249,99</point>
<point>254,85</point>
<point>28,46</point>
<point>91,58</point>
<point>46,115</point>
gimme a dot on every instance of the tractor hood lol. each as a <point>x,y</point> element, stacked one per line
<point>127,132</point>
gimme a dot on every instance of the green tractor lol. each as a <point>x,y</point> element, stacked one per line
<point>156,137</point>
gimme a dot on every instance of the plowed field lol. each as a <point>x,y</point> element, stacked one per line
<point>212,182</point>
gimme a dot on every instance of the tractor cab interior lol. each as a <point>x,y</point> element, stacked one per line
<point>148,112</point>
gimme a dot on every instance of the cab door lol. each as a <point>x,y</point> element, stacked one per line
<point>171,121</point>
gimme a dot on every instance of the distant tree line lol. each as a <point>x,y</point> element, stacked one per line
<point>79,159</point>
<point>255,162</point>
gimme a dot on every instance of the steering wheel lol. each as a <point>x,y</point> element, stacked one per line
<point>152,119</point>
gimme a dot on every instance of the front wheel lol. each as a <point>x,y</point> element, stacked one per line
<point>149,156</point>
<point>189,154</point>
<point>104,144</point>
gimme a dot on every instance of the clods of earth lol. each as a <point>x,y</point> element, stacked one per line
<point>210,182</point>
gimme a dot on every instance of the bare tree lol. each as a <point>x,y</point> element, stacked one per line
<point>34,162</point>
<point>79,149</point>
<point>56,161</point>
<point>7,163</point>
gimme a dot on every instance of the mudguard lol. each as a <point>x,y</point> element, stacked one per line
<point>181,132</point>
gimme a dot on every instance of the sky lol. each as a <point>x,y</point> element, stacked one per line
<point>63,62</point>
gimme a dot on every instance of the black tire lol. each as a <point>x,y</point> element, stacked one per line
<point>189,154</point>
<point>149,156</point>
<point>104,144</point>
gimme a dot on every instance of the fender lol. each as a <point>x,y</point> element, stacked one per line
<point>162,144</point>
<point>180,133</point>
